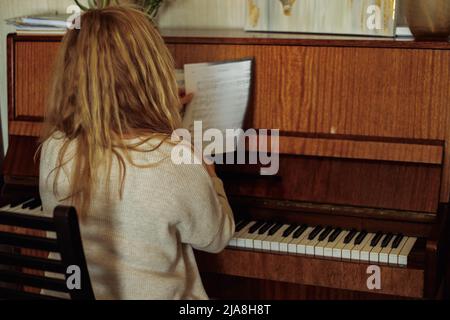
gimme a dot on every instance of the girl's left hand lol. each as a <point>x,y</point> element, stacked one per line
<point>185,98</point>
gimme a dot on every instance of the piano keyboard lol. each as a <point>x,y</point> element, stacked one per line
<point>315,241</point>
<point>31,206</point>
<point>321,241</point>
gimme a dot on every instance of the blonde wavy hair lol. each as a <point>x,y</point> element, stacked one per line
<point>114,79</point>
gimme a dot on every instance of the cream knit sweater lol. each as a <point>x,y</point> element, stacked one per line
<point>140,246</point>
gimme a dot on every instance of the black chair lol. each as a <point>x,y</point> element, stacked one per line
<point>13,263</point>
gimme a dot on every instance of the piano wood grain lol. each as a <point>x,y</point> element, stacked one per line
<point>361,148</point>
<point>304,270</point>
<point>237,288</point>
<point>373,92</point>
<point>376,184</point>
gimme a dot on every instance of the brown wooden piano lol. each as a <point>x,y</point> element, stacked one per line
<point>364,154</point>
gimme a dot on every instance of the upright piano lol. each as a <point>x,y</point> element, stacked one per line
<point>364,175</point>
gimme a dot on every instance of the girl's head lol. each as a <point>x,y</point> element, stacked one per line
<point>114,78</point>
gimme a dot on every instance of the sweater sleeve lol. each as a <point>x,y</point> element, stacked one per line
<point>207,223</point>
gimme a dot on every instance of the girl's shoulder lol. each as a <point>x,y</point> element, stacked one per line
<point>53,142</point>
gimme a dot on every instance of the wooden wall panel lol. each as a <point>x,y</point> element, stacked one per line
<point>354,91</point>
<point>346,182</point>
<point>375,92</point>
<point>349,91</point>
<point>34,67</point>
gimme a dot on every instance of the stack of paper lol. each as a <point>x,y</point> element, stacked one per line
<point>403,31</point>
<point>41,24</point>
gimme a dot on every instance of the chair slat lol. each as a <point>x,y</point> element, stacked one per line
<point>12,294</point>
<point>30,262</point>
<point>33,281</point>
<point>27,221</point>
<point>29,242</point>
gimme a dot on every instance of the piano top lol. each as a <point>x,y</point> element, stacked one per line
<point>238,36</point>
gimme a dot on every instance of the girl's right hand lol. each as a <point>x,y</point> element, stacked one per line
<point>211,168</point>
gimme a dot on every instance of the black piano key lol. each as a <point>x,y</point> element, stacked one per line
<point>315,232</point>
<point>255,227</point>
<point>242,226</point>
<point>376,239</point>
<point>265,228</point>
<point>300,231</point>
<point>19,201</point>
<point>275,228</point>
<point>350,236</point>
<point>325,233</point>
<point>360,238</point>
<point>35,204</point>
<point>40,202</point>
<point>28,204</point>
<point>238,223</point>
<point>387,239</point>
<point>289,230</point>
<point>335,234</point>
<point>397,241</point>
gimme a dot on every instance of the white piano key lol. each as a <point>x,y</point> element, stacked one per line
<point>346,253</point>
<point>277,238</point>
<point>295,245</point>
<point>302,241</point>
<point>32,212</point>
<point>364,254</point>
<point>249,240</point>
<point>20,210</point>
<point>258,241</point>
<point>11,209</point>
<point>356,250</point>
<point>284,244</point>
<point>245,240</point>
<point>393,255</point>
<point>233,241</point>
<point>334,249</point>
<point>240,238</point>
<point>375,252</point>
<point>266,242</point>
<point>406,250</point>
<point>6,208</point>
<point>340,245</point>
<point>320,246</point>
<point>384,254</point>
<point>311,244</point>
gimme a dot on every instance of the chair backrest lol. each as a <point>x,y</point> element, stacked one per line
<point>24,257</point>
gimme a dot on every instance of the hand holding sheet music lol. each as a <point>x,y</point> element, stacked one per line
<point>221,94</point>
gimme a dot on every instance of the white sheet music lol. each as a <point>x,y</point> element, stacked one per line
<point>221,94</point>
